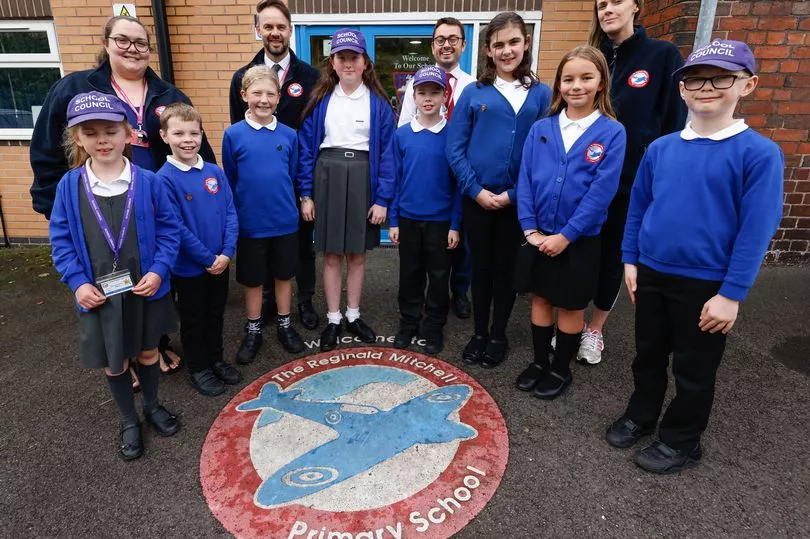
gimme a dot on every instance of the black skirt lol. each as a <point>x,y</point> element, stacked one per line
<point>568,280</point>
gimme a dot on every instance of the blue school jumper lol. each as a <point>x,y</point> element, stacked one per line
<point>380,150</point>
<point>485,138</point>
<point>209,226</point>
<point>260,166</point>
<point>569,192</point>
<point>425,188</point>
<point>706,209</point>
<point>156,224</point>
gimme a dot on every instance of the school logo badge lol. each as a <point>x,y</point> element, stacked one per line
<point>159,110</point>
<point>594,153</point>
<point>212,185</point>
<point>360,443</point>
<point>295,90</point>
<point>639,79</point>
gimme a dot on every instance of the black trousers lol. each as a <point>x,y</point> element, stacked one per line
<point>611,269</point>
<point>305,271</point>
<point>461,266</point>
<point>494,237</point>
<point>201,304</point>
<point>667,315</point>
<point>424,257</point>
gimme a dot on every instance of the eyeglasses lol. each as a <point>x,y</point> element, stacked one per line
<point>719,82</point>
<point>124,43</point>
<point>452,40</point>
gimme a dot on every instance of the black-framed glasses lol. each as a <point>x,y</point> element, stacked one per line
<point>124,43</point>
<point>719,82</point>
<point>452,40</point>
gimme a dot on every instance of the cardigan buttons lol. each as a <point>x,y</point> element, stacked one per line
<point>559,180</point>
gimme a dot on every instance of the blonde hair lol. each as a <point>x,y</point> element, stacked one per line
<point>181,111</point>
<point>596,35</point>
<point>76,155</point>
<point>257,73</point>
<point>601,100</point>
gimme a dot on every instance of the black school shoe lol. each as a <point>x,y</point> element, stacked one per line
<point>461,306</point>
<point>207,383</point>
<point>434,343</point>
<point>495,353</point>
<point>528,379</point>
<point>404,337</point>
<point>227,373</point>
<point>362,330</point>
<point>290,339</point>
<point>474,350</point>
<point>660,458</point>
<point>131,441</point>
<point>309,318</point>
<point>624,432</point>
<point>164,423</point>
<point>249,348</point>
<point>329,337</point>
<point>552,384</point>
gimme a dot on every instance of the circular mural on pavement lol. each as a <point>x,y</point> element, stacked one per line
<point>361,443</point>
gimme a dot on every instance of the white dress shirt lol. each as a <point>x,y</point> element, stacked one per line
<point>257,126</point>
<point>348,119</point>
<point>459,81</point>
<point>734,129</point>
<point>514,92</point>
<point>571,130</point>
<point>417,127</point>
<point>184,167</point>
<point>112,188</point>
<point>284,63</point>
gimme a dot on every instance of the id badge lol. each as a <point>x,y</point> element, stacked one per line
<point>115,283</point>
<point>139,138</point>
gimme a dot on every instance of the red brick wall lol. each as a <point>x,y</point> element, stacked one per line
<point>780,107</point>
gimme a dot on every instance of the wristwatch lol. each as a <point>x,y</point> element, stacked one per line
<point>304,198</point>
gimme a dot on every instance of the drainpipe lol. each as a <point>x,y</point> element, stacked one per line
<point>705,23</point>
<point>162,38</point>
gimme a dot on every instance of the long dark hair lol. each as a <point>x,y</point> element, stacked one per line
<point>596,35</point>
<point>329,79</point>
<point>102,55</point>
<point>601,100</point>
<point>523,72</point>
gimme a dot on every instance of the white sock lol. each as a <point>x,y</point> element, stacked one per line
<point>334,318</point>
<point>352,313</point>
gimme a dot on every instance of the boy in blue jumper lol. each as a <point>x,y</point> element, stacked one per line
<point>260,156</point>
<point>705,203</point>
<point>424,215</point>
<point>209,229</point>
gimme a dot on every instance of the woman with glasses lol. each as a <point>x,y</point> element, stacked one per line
<point>647,103</point>
<point>123,70</point>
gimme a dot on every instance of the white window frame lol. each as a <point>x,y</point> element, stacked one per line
<point>43,60</point>
<point>475,18</point>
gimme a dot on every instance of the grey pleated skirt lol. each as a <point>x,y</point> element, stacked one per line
<point>342,195</point>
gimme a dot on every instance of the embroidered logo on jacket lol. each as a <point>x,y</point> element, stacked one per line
<point>159,110</point>
<point>638,79</point>
<point>295,90</point>
<point>212,185</point>
<point>594,153</point>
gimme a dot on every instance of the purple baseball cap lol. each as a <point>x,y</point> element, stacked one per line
<point>722,53</point>
<point>95,106</point>
<point>347,39</point>
<point>433,74</point>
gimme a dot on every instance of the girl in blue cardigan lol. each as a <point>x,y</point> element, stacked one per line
<point>346,174</point>
<point>115,240</point>
<point>570,171</point>
<point>484,144</point>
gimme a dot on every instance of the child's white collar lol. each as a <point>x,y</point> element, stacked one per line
<point>184,167</point>
<point>734,129</point>
<point>125,176</point>
<point>257,126</point>
<point>417,127</point>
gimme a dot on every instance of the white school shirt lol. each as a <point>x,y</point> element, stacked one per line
<point>114,188</point>
<point>348,119</point>
<point>257,126</point>
<point>571,130</point>
<point>284,63</point>
<point>514,92</point>
<point>184,167</point>
<point>417,127</point>
<point>734,129</point>
<point>409,110</point>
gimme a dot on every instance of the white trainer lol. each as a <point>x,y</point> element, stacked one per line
<point>591,346</point>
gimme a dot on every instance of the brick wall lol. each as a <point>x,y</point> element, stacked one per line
<point>565,25</point>
<point>22,224</point>
<point>780,107</point>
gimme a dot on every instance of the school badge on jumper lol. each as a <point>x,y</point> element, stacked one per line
<point>212,185</point>
<point>639,79</point>
<point>159,110</point>
<point>594,153</point>
<point>295,90</point>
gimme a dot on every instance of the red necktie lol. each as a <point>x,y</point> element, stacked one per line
<point>448,78</point>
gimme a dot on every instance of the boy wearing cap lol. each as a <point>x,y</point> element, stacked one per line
<point>424,215</point>
<point>704,206</point>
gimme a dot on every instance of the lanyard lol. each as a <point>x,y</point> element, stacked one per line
<point>138,111</point>
<point>102,222</point>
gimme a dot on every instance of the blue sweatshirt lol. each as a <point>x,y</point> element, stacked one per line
<point>380,148</point>
<point>569,193</point>
<point>208,224</point>
<point>260,166</point>
<point>706,209</point>
<point>154,218</point>
<point>425,188</point>
<point>486,137</point>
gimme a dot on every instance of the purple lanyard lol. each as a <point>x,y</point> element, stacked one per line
<point>102,222</point>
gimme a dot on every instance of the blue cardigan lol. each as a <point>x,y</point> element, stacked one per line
<point>486,137</point>
<point>381,156</point>
<point>155,223</point>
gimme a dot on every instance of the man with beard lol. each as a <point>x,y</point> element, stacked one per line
<point>447,44</point>
<point>297,78</point>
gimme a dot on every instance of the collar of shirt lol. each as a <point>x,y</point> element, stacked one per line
<point>461,76</point>
<point>514,85</point>
<point>417,127</point>
<point>125,176</point>
<point>184,167</point>
<point>359,93</point>
<point>257,126</point>
<point>582,123</point>
<point>734,129</point>
<point>284,63</point>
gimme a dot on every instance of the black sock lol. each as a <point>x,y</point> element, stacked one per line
<point>150,376</point>
<point>566,349</point>
<point>254,325</point>
<point>541,339</point>
<point>283,320</point>
<point>122,394</point>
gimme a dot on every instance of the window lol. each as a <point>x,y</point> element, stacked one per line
<point>29,65</point>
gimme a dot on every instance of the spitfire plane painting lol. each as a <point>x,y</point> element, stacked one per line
<point>366,436</point>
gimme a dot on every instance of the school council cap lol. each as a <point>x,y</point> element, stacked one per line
<point>722,53</point>
<point>347,39</point>
<point>433,74</point>
<point>95,106</point>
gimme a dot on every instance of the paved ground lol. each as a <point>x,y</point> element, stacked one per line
<point>59,475</point>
